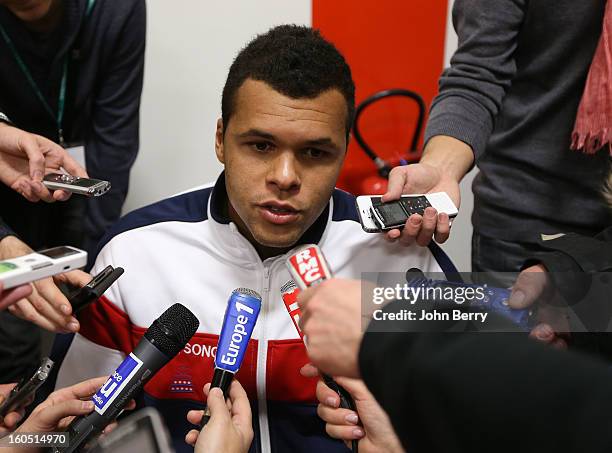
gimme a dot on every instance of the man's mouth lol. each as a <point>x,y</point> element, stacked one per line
<point>278,213</point>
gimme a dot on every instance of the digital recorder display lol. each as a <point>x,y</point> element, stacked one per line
<point>58,252</point>
<point>392,213</point>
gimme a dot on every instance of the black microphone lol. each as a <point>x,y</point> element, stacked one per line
<point>166,337</point>
<point>238,323</point>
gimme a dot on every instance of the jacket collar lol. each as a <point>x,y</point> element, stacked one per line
<point>232,241</point>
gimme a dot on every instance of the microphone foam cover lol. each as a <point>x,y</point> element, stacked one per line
<point>247,292</point>
<point>288,287</point>
<point>173,329</point>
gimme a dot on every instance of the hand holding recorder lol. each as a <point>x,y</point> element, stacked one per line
<point>22,394</point>
<point>8,298</point>
<point>74,184</point>
<point>9,421</point>
<point>534,288</point>
<point>46,306</point>
<point>24,160</point>
<point>423,178</point>
<point>376,216</point>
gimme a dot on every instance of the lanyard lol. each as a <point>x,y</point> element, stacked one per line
<point>61,102</point>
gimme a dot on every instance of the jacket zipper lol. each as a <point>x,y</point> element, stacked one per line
<point>262,359</point>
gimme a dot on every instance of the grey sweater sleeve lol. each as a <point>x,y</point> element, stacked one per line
<point>471,91</point>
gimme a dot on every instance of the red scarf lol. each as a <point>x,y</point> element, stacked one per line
<point>593,127</point>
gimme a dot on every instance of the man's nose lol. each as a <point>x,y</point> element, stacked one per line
<point>284,172</point>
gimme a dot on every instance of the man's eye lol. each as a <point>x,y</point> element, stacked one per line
<point>315,153</point>
<point>261,146</point>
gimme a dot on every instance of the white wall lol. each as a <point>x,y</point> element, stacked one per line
<point>190,46</point>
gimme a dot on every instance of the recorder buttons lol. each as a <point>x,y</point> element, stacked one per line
<point>41,265</point>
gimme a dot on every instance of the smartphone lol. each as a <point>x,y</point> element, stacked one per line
<point>42,264</point>
<point>143,431</point>
<point>26,389</point>
<point>376,216</point>
<point>75,184</point>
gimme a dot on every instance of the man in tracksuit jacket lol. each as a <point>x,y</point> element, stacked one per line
<point>287,108</point>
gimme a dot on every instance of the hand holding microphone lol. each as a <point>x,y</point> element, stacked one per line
<point>328,311</point>
<point>238,324</point>
<point>229,429</point>
<point>369,424</point>
<point>331,321</point>
<point>166,337</point>
<point>308,268</point>
<point>60,408</point>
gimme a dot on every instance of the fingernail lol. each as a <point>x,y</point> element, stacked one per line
<point>544,332</point>
<point>352,418</point>
<point>37,175</point>
<point>88,405</point>
<point>65,309</point>
<point>429,212</point>
<point>415,220</point>
<point>73,326</point>
<point>517,297</point>
<point>331,402</point>
<point>358,432</point>
<point>443,217</point>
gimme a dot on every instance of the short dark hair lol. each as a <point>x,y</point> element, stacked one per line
<point>294,60</point>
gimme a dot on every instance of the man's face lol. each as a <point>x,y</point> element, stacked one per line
<point>282,158</point>
<point>28,10</point>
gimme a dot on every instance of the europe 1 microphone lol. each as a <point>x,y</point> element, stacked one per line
<point>166,337</point>
<point>238,324</point>
<point>308,267</point>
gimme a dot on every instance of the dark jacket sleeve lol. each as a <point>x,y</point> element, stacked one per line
<point>477,392</point>
<point>5,230</point>
<point>573,252</point>
<point>4,118</point>
<point>472,89</point>
<point>112,143</point>
<point>579,270</point>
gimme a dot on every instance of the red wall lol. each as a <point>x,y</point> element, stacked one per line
<point>388,44</point>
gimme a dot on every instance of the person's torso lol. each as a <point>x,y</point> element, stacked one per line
<point>530,181</point>
<point>199,263</point>
<point>85,41</point>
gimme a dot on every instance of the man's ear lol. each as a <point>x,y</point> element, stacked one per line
<point>219,142</point>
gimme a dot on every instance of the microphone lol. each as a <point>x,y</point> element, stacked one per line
<point>166,337</point>
<point>238,323</point>
<point>289,293</point>
<point>308,267</point>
